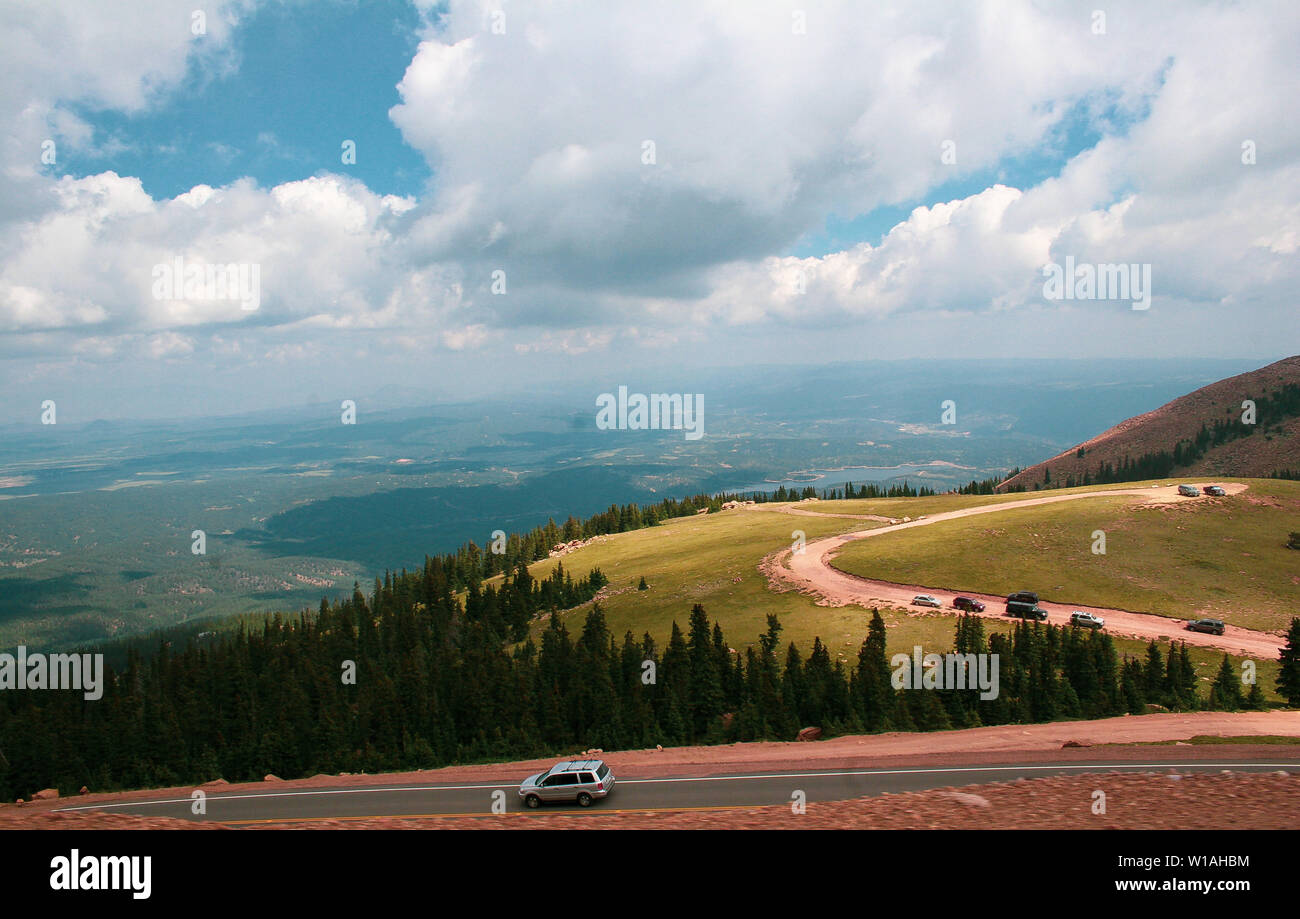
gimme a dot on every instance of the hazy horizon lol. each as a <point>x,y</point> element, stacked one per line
<point>104,404</point>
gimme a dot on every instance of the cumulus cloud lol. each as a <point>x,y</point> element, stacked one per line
<point>642,174</point>
<point>541,136</point>
<point>908,271</point>
<point>320,248</point>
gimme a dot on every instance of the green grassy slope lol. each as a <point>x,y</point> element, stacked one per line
<point>1218,557</point>
<point>713,560</point>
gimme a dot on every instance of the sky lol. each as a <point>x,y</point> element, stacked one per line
<point>477,198</point>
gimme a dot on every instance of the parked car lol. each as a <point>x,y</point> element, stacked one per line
<point>1023,596</point>
<point>1212,626</point>
<point>969,605</point>
<point>1216,490</point>
<point>925,600</point>
<point>1086,620</point>
<point>1026,610</point>
<point>582,781</point>
<point>1189,491</point>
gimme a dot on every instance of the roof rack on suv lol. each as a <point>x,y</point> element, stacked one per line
<point>576,765</point>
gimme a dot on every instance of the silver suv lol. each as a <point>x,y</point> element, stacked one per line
<point>581,780</point>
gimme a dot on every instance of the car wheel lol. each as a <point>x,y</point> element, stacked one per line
<point>533,801</point>
<point>584,800</point>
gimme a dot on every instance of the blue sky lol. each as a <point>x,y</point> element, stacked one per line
<point>305,75</point>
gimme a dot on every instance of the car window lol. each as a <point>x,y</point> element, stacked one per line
<point>566,778</point>
<point>586,778</point>
<point>603,770</point>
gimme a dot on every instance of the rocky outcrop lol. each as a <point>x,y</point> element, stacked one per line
<point>564,548</point>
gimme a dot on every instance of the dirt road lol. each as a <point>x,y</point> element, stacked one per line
<point>811,572</point>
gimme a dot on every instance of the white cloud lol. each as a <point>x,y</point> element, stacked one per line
<point>759,133</point>
<point>320,247</point>
<point>536,138</point>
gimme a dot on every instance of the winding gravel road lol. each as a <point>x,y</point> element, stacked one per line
<point>811,572</point>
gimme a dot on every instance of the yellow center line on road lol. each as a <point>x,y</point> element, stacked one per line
<point>636,810</point>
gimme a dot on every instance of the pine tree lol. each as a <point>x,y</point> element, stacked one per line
<point>1132,693</point>
<point>597,716</point>
<point>705,682</point>
<point>675,675</point>
<point>927,712</point>
<point>794,691</point>
<point>874,692</point>
<point>1153,676</point>
<point>1255,698</point>
<point>1186,675</point>
<point>819,686</point>
<point>1288,677</point>
<point>1225,693</point>
<point>768,689</point>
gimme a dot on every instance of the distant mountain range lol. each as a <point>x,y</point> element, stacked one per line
<point>1246,425</point>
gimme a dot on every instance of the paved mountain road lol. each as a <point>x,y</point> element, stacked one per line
<point>674,793</point>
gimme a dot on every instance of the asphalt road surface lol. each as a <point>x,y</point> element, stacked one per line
<point>656,794</point>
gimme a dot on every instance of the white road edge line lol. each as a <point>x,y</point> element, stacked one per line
<point>707,778</point>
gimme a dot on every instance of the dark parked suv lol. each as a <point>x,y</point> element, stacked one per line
<point>581,780</point>
<point>1026,610</point>
<point>969,605</point>
<point>1212,626</point>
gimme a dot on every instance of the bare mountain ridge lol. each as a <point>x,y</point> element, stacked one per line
<point>1273,444</point>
